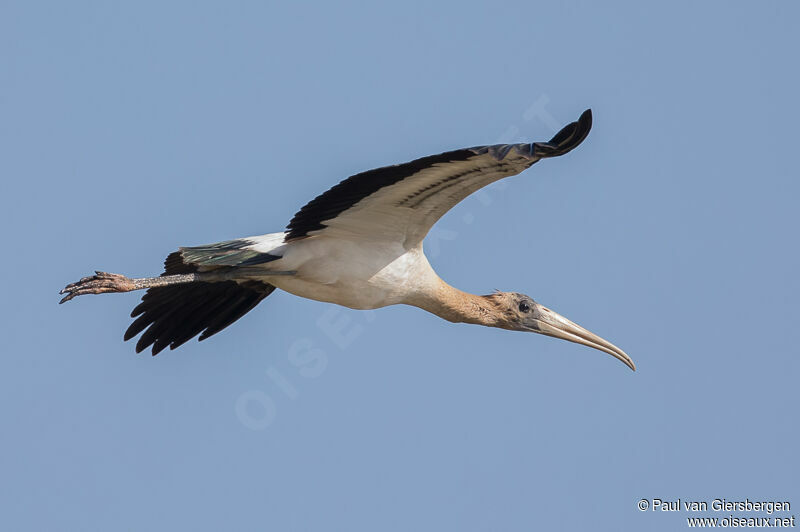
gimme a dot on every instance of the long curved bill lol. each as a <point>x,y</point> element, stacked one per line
<point>553,324</point>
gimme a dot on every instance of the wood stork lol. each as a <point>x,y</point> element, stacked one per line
<point>358,245</point>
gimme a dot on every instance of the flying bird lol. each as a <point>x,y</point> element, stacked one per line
<point>358,245</point>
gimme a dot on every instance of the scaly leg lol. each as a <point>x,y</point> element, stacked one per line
<point>104,282</point>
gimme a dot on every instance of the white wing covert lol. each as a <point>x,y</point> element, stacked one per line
<point>400,203</point>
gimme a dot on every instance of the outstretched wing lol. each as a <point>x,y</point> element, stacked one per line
<point>402,202</point>
<point>172,315</point>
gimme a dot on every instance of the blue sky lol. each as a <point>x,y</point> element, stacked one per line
<point>127,131</point>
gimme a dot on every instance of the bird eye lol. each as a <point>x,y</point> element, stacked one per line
<point>524,307</point>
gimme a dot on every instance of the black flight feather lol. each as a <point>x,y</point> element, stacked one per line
<point>341,197</point>
<point>172,315</point>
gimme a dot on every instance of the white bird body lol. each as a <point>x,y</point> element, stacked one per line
<point>353,273</point>
<point>358,245</point>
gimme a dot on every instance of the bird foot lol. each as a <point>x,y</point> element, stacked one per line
<point>101,283</point>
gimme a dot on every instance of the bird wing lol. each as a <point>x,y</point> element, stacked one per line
<point>248,251</point>
<point>172,315</point>
<point>401,203</point>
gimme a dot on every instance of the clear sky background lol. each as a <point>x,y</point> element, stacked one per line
<point>127,131</point>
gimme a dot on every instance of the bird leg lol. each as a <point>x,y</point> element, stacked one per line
<point>104,282</point>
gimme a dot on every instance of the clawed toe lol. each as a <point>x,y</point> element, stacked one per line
<point>100,283</point>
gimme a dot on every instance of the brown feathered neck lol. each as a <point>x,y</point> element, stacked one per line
<point>457,306</point>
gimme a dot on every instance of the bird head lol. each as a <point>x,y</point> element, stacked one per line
<point>519,312</point>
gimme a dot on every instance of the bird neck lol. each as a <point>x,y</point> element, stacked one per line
<point>457,306</point>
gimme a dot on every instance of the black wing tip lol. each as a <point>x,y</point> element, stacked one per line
<point>566,140</point>
<point>169,316</point>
